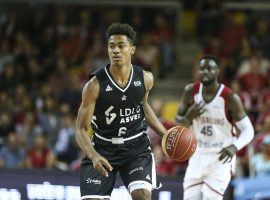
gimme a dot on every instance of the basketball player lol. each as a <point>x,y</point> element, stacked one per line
<point>210,109</point>
<point>115,101</point>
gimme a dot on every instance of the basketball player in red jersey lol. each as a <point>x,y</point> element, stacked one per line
<point>213,112</point>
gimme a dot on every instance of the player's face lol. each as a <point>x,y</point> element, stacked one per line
<point>208,71</point>
<point>120,50</point>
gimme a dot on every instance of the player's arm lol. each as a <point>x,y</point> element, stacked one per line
<point>187,112</point>
<point>150,116</point>
<point>243,122</point>
<point>244,125</point>
<point>89,96</point>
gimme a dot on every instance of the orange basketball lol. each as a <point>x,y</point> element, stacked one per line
<point>179,143</point>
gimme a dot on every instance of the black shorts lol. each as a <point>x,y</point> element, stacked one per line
<point>133,160</point>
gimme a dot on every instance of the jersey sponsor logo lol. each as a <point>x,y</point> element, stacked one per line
<point>212,120</point>
<point>110,116</point>
<point>108,88</point>
<point>126,115</point>
<point>137,83</point>
<point>135,169</point>
<point>209,145</point>
<point>94,181</point>
<point>129,114</point>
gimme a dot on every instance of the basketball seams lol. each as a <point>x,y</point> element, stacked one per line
<point>178,138</point>
<point>163,144</point>
<point>188,149</point>
<point>190,142</point>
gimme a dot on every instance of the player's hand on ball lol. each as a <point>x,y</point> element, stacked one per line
<point>101,164</point>
<point>227,153</point>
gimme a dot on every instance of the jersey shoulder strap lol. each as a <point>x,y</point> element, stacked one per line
<point>226,92</point>
<point>99,73</point>
<point>196,88</point>
<point>138,71</point>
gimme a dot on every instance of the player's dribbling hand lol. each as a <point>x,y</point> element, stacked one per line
<point>101,164</point>
<point>227,153</point>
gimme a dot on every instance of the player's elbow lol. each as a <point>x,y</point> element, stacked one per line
<point>79,130</point>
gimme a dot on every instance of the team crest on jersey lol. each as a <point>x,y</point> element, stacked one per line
<point>137,83</point>
<point>108,88</point>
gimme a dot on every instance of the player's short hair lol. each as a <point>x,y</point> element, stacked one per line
<point>121,29</point>
<point>210,57</point>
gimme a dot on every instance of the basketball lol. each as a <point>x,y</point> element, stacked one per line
<point>179,143</point>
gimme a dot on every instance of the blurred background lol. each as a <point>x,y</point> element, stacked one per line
<point>48,48</point>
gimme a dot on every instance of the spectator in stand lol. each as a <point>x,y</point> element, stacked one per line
<point>48,119</point>
<point>260,36</point>
<point>163,36</point>
<point>12,155</point>
<point>147,54</point>
<point>244,96</point>
<point>210,17</point>
<point>6,126</point>
<point>252,75</point>
<point>28,129</point>
<point>40,156</point>
<point>6,103</point>
<point>232,31</point>
<point>264,132</point>
<point>261,161</point>
<point>256,63</point>
<point>65,149</point>
<point>263,114</point>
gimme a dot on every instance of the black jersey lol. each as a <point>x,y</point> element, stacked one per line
<point>119,111</point>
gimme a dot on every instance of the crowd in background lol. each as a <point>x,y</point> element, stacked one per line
<point>46,54</point>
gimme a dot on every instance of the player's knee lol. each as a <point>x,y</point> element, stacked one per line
<point>141,194</point>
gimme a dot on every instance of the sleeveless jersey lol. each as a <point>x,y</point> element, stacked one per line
<point>213,129</point>
<point>119,111</point>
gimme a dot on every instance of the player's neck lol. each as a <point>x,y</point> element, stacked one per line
<point>211,88</point>
<point>120,73</point>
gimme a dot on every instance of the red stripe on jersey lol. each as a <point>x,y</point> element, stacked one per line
<point>226,92</point>
<point>196,88</point>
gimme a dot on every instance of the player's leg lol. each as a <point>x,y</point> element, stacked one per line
<point>193,180</point>
<point>141,194</point>
<point>216,181</point>
<point>92,184</point>
<point>193,189</point>
<point>139,176</point>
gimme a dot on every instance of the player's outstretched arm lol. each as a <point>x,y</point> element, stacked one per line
<point>150,116</point>
<point>188,111</point>
<point>84,117</point>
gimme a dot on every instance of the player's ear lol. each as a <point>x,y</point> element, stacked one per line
<point>133,49</point>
